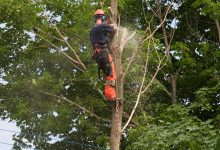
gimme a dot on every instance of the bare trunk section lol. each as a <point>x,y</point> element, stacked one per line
<point>218,29</point>
<point>117,108</point>
<point>173,91</point>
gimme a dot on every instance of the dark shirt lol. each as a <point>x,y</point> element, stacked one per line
<point>99,34</point>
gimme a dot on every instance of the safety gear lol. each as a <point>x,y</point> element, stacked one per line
<point>112,76</point>
<point>102,17</point>
<point>101,56</point>
<point>99,12</point>
<point>99,40</point>
<point>105,63</point>
<point>110,93</point>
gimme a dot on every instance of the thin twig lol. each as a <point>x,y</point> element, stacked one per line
<point>125,39</point>
<point>138,99</point>
<point>129,63</point>
<point>77,57</point>
<point>39,29</point>
<point>131,36</point>
<point>74,104</point>
<point>157,26</point>
<point>141,91</point>
<point>101,93</point>
<point>70,58</point>
<point>62,40</point>
<point>148,37</point>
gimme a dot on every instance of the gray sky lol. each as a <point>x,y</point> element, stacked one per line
<point>6,137</point>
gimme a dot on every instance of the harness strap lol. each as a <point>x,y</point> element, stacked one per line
<point>100,46</point>
<point>97,48</point>
<point>96,51</point>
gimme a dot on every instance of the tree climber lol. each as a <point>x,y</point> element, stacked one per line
<point>100,36</point>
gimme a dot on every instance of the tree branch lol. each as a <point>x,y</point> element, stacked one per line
<point>74,104</point>
<point>218,29</point>
<point>149,36</point>
<point>124,38</point>
<point>39,29</point>
<point>77,57</point>
<point>138,98</point>
<point>70,58</point>
<point>133,55</point>
<point>159,67</point>
<point>100,92</point>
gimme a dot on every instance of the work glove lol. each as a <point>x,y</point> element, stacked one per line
<point>114,25</point>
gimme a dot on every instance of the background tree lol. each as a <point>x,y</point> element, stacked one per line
<point>52,91</point>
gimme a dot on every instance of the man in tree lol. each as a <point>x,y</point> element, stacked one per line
<point>100,36</point>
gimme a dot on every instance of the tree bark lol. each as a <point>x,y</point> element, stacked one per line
<point>117,108</point>
<point>173,90</point>
<point>218,29</point>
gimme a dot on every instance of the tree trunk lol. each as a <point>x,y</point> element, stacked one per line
<point>218,29</point>
<point>167,51</point>
<point>173,77</point>
<point>117,108</point>
<point>173,89</point>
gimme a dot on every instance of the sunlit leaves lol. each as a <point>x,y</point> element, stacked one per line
<point>175,129</point>
<point>208,7</point>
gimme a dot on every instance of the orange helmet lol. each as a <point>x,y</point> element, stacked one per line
<point>99,12</point>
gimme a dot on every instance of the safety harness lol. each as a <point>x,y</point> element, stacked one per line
<point>100,54</point>
<point>105,63</point>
